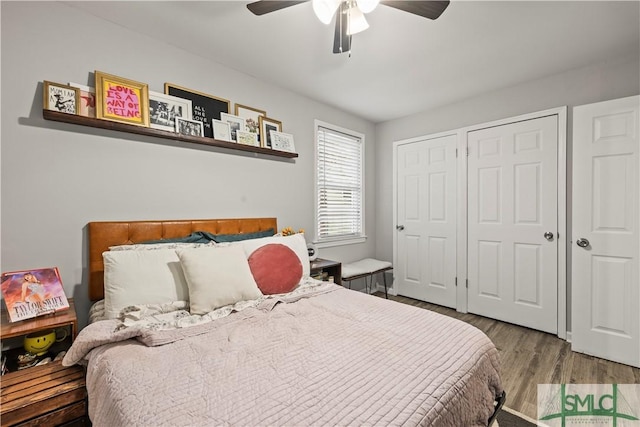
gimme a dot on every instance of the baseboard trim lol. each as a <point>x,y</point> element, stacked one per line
<point>390,291</point>
<point>521,415</point>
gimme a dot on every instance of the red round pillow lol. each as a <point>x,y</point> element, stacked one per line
<point>275,268</point>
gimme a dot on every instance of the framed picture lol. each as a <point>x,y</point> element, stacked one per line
<point>266,126</point>
<point>163,110</point>
<point>247,138</point>
<point>189,127</point>
<point>59,97</point>
<point>235,124</point>
<point>250,116</point>
<point>121,100</point>
<point>221,130</point>
<point>204,107</point>
<point>87,102</point>
<point>282,141</point>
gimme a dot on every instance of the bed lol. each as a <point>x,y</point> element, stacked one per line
<point>318,355</point>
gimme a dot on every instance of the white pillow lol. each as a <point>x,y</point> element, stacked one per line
<point>217,276</point>
<point>142,277</point>
<point>295,242</point>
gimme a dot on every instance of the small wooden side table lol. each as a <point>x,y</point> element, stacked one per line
<point>50,394</point>
<point>332,268</point>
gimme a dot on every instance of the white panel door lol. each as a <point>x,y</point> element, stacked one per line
<point>512,223</point>
<point>605,242</point>
<point>426,231</point>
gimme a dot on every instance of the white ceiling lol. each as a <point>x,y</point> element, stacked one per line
<point>403,63</point>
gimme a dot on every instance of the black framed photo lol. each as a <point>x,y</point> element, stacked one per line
<point>205,107</point>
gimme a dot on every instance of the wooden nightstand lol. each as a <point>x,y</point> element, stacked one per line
<point>50,394</point>
<point>332,268</point>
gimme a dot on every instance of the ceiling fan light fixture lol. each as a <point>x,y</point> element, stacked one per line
<point>367,6</point>
<point>350,18</point>
<point>324,9</point>
<point>357,21</point>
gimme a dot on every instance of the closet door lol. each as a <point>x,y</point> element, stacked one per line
<point>606,240</point>
<point>513,223</point>
<point>426,220</point>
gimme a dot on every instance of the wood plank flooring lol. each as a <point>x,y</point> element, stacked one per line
<point>531,357</point>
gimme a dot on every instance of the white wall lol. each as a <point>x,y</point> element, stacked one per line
<point>57,177</point>
<point>616,78</point>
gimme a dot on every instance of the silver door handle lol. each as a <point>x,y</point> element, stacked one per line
<point>548,235</point>
<point>399,227</point>
<point>582,242</point>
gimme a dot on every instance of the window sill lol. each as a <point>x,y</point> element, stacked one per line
<point>339,242</point>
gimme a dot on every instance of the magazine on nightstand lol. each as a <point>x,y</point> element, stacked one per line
<point>32,293</point>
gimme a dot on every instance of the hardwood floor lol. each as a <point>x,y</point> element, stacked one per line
<point>531,357</point>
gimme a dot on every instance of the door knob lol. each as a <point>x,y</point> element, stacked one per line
<point>548,235</point>
<point>399,227</point>
<point>582,242</point>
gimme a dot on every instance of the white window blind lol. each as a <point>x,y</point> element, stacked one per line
<point>340,195</point>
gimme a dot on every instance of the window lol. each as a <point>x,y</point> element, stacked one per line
<point>339,185</point>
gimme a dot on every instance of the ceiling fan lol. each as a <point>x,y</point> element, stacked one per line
<point>350,17</point>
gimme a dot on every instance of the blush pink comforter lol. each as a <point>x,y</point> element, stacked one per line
<point>335,358</point>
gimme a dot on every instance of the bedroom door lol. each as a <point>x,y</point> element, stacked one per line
<point>426,220</point>
<point>512,223</point>
<point>606,235</point>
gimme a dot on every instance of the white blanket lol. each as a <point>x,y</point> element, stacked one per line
<point>331,357</point>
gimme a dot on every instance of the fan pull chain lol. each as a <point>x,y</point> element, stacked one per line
<point>349,24</point>
<point>341,13</point>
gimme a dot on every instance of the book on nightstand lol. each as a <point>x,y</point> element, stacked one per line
<point>32,293</point>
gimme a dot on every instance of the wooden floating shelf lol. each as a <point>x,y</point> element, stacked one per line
<point>140,130</point>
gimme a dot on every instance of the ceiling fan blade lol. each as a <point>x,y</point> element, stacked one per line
<point>341,41</point>
<point>267,6</point>
<point>427,9</point>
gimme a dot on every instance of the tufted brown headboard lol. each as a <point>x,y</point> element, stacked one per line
<point>111,233</point>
